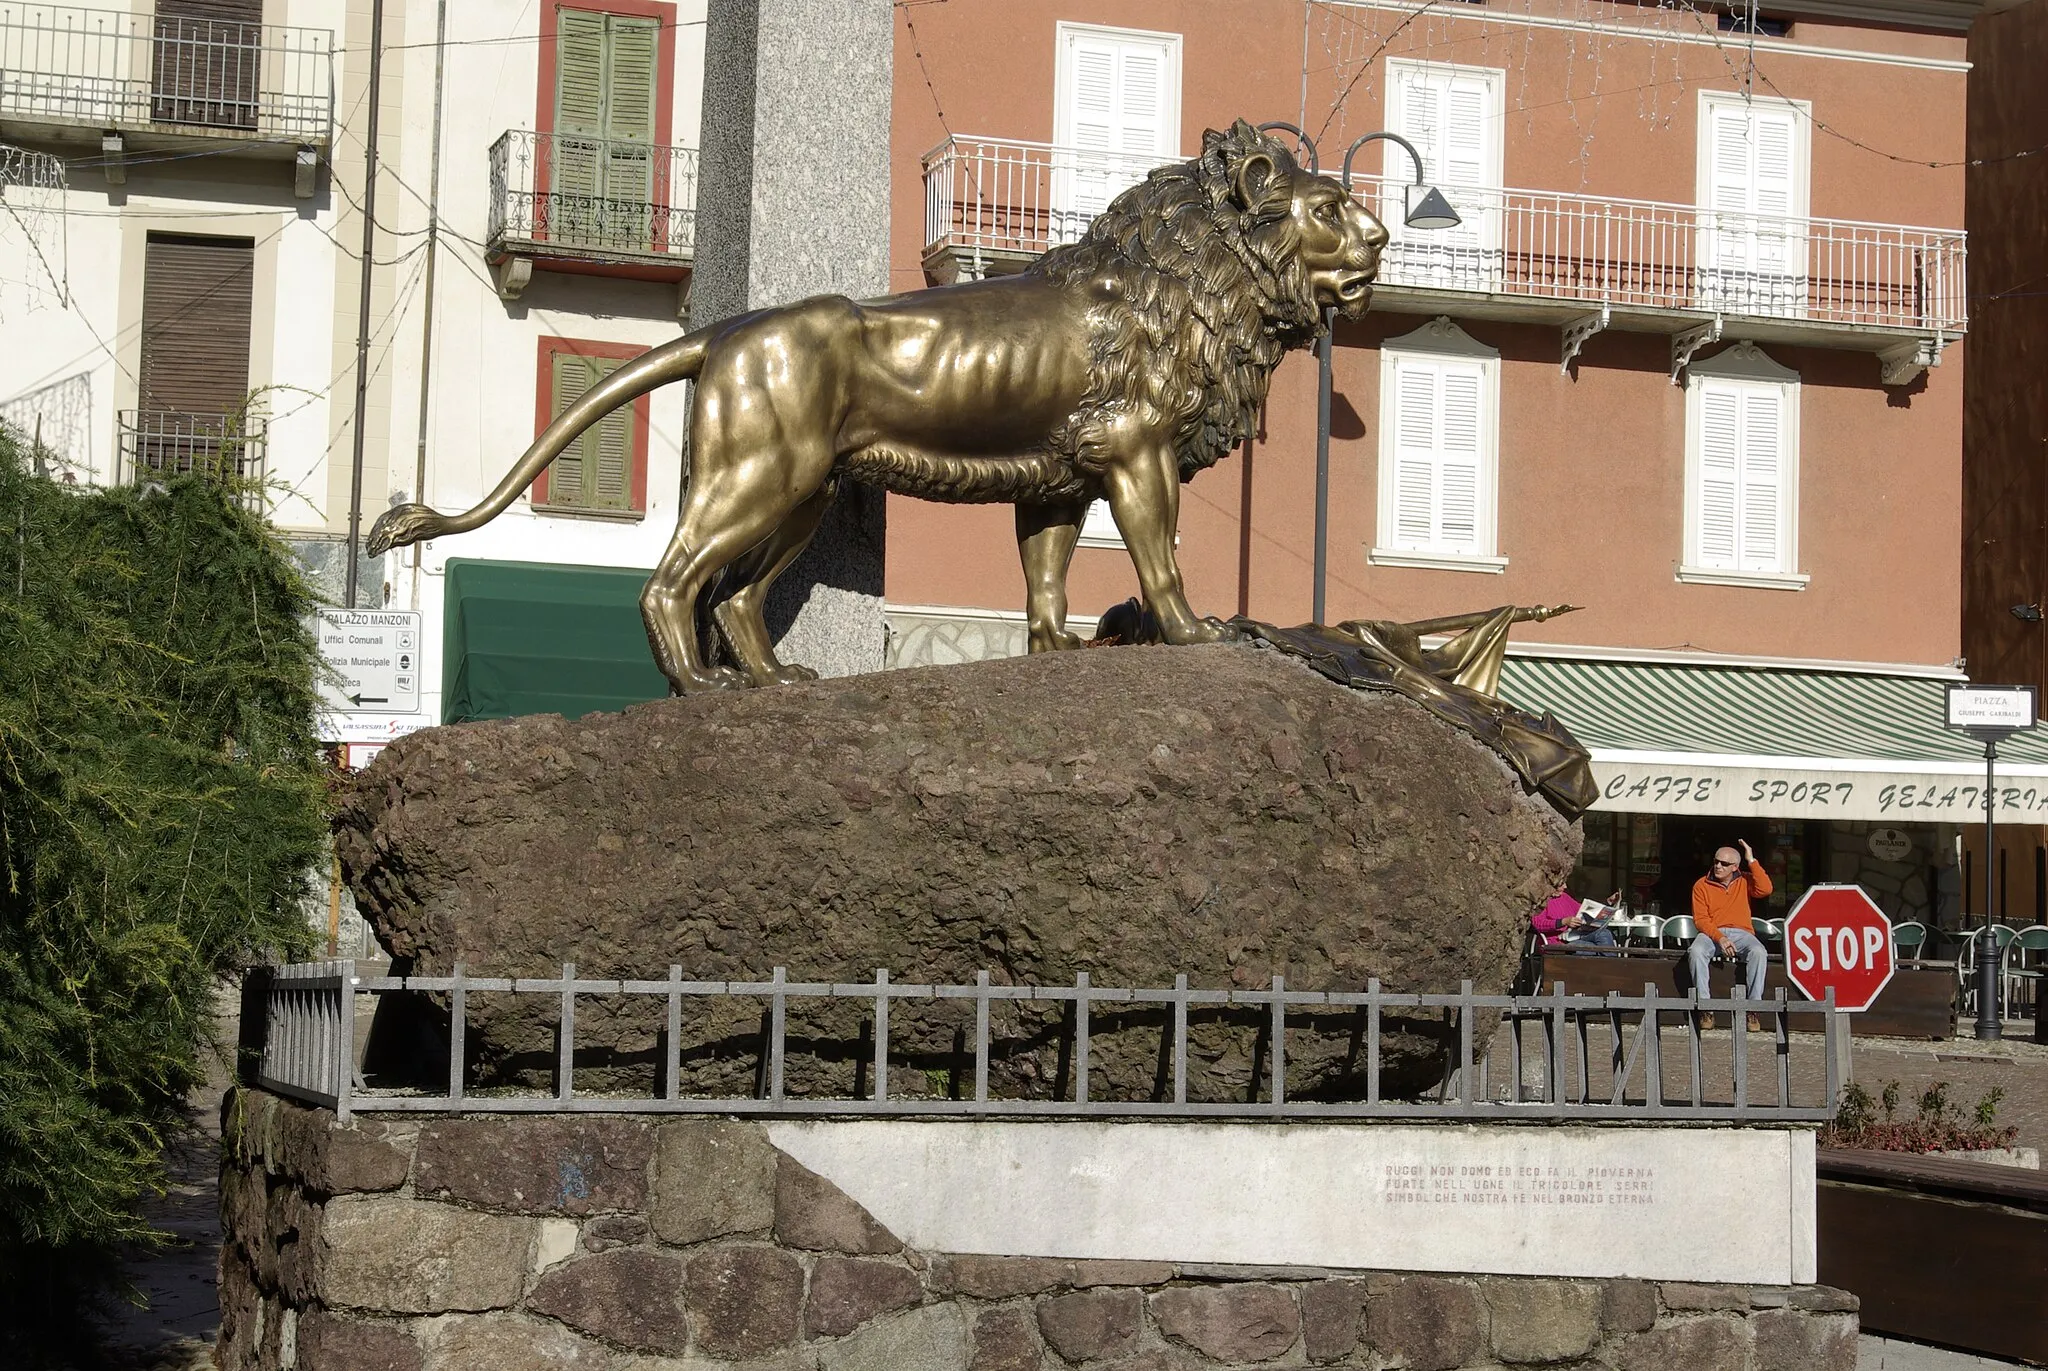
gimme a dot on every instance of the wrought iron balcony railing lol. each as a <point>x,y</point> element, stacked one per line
<point>995,199</point>
<point>158,442</point>
<point>568,195</point>
<point>101,69</point>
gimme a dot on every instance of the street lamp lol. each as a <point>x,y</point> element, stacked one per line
<point>1432,211</point>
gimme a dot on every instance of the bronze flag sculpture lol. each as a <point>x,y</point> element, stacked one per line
<point>1115,367</point>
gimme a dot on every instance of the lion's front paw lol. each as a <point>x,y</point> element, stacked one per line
<point>790,675</point>
<point>1055,640</point>
<point>1203,630</point>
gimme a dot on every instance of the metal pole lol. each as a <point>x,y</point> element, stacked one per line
<point>355,479</point>
<point>1988,1025</point>
<point>419,464</point>
<point>1322,465</point>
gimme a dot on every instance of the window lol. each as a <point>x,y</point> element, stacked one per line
<point>1453,115</point>
<point>1742,471</point>
<point>606,93</point>
<point>1099,528</point>
<point>1116,102</point>
<point>604,472</point>
<point>1749,21</point>
<point>1753,201</point>
<point>192,393</point>
<point>1439,436</point>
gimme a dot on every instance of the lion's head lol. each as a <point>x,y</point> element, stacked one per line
<point>1217,266</point>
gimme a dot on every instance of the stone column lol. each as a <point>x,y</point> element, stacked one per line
<point>793,201</point>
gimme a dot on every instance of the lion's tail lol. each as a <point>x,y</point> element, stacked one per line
<point>680,360</point>
<point>965,480</point>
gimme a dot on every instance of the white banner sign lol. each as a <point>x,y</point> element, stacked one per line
<point>1901,796</point>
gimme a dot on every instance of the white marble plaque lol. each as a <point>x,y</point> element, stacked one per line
<point>1658,1203</point>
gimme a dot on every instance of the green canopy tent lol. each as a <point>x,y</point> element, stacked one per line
<point>534,638</point>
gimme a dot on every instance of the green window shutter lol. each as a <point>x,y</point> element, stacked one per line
<point>630,82</point>
<point>609,468</point>
<point>567,474</point>
<point>596,471</point>
<point>579,110</point>
<point>630,90</point>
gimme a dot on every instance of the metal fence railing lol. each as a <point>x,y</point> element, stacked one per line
<point>602,195</point>
<point>158,442</point>
<point>1567,1056</point>
<point>1001,196</point>
<point>104,69</point>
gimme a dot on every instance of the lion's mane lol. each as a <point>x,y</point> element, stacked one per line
<point>1208,295</point>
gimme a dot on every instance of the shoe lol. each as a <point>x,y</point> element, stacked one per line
<point>1756,1025</point>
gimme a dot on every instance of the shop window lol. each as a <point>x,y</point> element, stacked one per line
<point>1742,472</point>
<point>604,472</point>
<point>1439,439</point>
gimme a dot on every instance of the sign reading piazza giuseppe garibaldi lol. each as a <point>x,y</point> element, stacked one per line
<point>1901,792</point>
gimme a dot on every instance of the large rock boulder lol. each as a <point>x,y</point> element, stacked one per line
<point>1134,813</point>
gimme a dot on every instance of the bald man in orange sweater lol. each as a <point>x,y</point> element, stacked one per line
<point>1720,912</point>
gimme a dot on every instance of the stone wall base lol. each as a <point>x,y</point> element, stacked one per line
<point>641,1243</point>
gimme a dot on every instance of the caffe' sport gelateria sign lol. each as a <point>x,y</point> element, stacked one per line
<point>1903,794</point>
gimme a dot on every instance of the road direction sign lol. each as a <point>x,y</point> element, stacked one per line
<point>375,654</point>
<point>1837,939</point>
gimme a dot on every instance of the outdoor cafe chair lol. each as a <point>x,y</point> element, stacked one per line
<point>2026,966</point>
<point>1908,938</point>
<point>1678,931</point>
<point>1966,962</point>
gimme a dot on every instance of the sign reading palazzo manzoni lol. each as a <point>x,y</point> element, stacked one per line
<point>1904,796</point>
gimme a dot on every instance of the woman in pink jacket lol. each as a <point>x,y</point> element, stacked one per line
<point>1561,924</point>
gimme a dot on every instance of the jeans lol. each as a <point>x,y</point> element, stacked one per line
<point>1754,961</point>
<point>1583,940</point>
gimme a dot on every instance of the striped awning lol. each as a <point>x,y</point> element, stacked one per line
<point>1780,743</point>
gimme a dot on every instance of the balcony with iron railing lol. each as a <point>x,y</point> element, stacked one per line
<point>156,443</point>
<point>137,82</point>
<point>604,204</point>
<point>1575,261</point>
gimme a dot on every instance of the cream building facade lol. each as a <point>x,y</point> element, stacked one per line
<point>183,187</point>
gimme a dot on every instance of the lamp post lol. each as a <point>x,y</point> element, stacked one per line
<point>1431,211</point>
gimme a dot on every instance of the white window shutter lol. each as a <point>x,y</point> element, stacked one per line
<point>1459,458</point>
<point>1438,496</point>
<point>1415,399</point>
<point>1773,191</point>
<point>1730,191</point>
<point>1116,113</point>
<point>1141,100</point>
<point>1719,476</point>
<point>1762,479</point>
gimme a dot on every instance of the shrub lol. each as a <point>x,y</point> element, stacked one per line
<point>1938,1123</point>
<point>160,803</point>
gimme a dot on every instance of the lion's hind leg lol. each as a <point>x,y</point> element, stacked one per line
<point>1047,532</point>
<point>742,616</point>
<point>723,520</point>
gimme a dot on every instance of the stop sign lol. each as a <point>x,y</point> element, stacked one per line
<point>1837,939</point>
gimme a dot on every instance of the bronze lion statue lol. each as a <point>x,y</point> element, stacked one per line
<point>1114,367</point>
